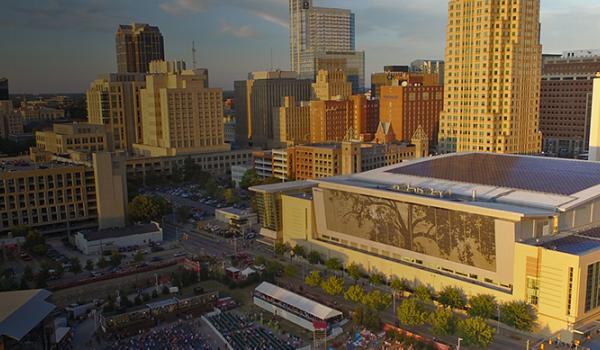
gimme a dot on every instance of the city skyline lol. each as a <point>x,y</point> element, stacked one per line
<point>77,40</point>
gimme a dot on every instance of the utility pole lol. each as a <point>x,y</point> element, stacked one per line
<point>498,319</point>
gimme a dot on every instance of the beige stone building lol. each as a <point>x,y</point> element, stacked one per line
<point>257,101</point>
<point>330,85</point>
<point>180,114</point>
<point>114,100</point>
<point>74,137</point>
<point>292,122</point>
<point>63,195</point>
<point>492,77</point>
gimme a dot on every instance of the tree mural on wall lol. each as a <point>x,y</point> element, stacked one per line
<point>451,235</point>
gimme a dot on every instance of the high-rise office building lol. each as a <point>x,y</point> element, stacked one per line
<point>331,84</point>
<point>412,103</point>
<point>180,114</point>
<point>138,44</point>
<point>331,120</point>
<point>4,89</point>
<point>565,101</point>
<point>292,122</point>
<point>324,38</point>
<point>114,100</point>
<point>492,77</point>
<point>352,63</point>
<point>313,28</point>
<point>258,98</point>
<point>11,123</point>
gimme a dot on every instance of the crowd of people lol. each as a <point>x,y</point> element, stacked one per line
<point>181,335</point>
<point>243,334</point>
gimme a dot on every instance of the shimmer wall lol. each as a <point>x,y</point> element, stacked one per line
<point>460,237</point>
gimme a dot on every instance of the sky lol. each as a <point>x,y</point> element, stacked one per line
<point>54,46</point>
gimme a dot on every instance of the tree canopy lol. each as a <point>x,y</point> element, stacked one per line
<point>518,314</point>
<point>475,332</point>
<point>411,312</point>
<point>452,297</point>
<point>443,322</point>
<point>482,305</point>
<point>146,208</point>
<point>334,285</point>
<point>313,279</point>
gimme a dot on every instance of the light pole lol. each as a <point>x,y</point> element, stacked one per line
<point>458,345</point>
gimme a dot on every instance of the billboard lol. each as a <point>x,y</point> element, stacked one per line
<point>455,236</point>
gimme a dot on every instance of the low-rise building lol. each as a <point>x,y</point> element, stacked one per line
<point>63,195</point>
<point>237,219</point>
<point>98,241</point>
<point>217,163</point>
<point>31,113</point>
<point>74,137</point>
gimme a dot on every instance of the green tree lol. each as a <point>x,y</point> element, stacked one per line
<point>313,279</point>
<point>231,196</point>
<point>290,271</point>
<point>75,265</point>
<point>23,285</point>
<point>102,262</point>
<point>299,250</point>
<point>475,332</point>
<point>89,265</point>
<point>28,273</point>
<point>377,278</point>
<point>443,322</point>
<point>423,293</point>
<point>183,212</point>
<point>411,312</point>
<point>483,305</point>
<point>139,256</point>
<point>333,264</point>
<point>34,240</point>
<point>281,248</point>
<point>144,209</point>
<point>211,187</point>
<point>259,260</point>
<point>115,259</point>
<point>314,257</point>
<point>354,271</point>
<point>367,317</point>
<point>249,179</point>
<point>399,285</point>
<point>334,285</point>
<point>452,297</point>
<point>378,300</point>
<point>518,314</point>
<point>355,294</point>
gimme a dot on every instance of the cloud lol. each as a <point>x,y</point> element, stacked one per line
<point>271,11</point>
<point>179,7</point>
<point>91,15</point>
<point>272,19</point>
<point>242,32</point>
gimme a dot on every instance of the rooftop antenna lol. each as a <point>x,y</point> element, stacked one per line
<point>194,54</point>
<point>271,59</point>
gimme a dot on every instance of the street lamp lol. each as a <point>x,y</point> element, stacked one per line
<point>458,345</point>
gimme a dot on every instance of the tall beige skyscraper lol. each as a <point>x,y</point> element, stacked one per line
<point>114,100</point>
<point>138,44</point>
<point>492,77</point>
<point>180,114</point>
